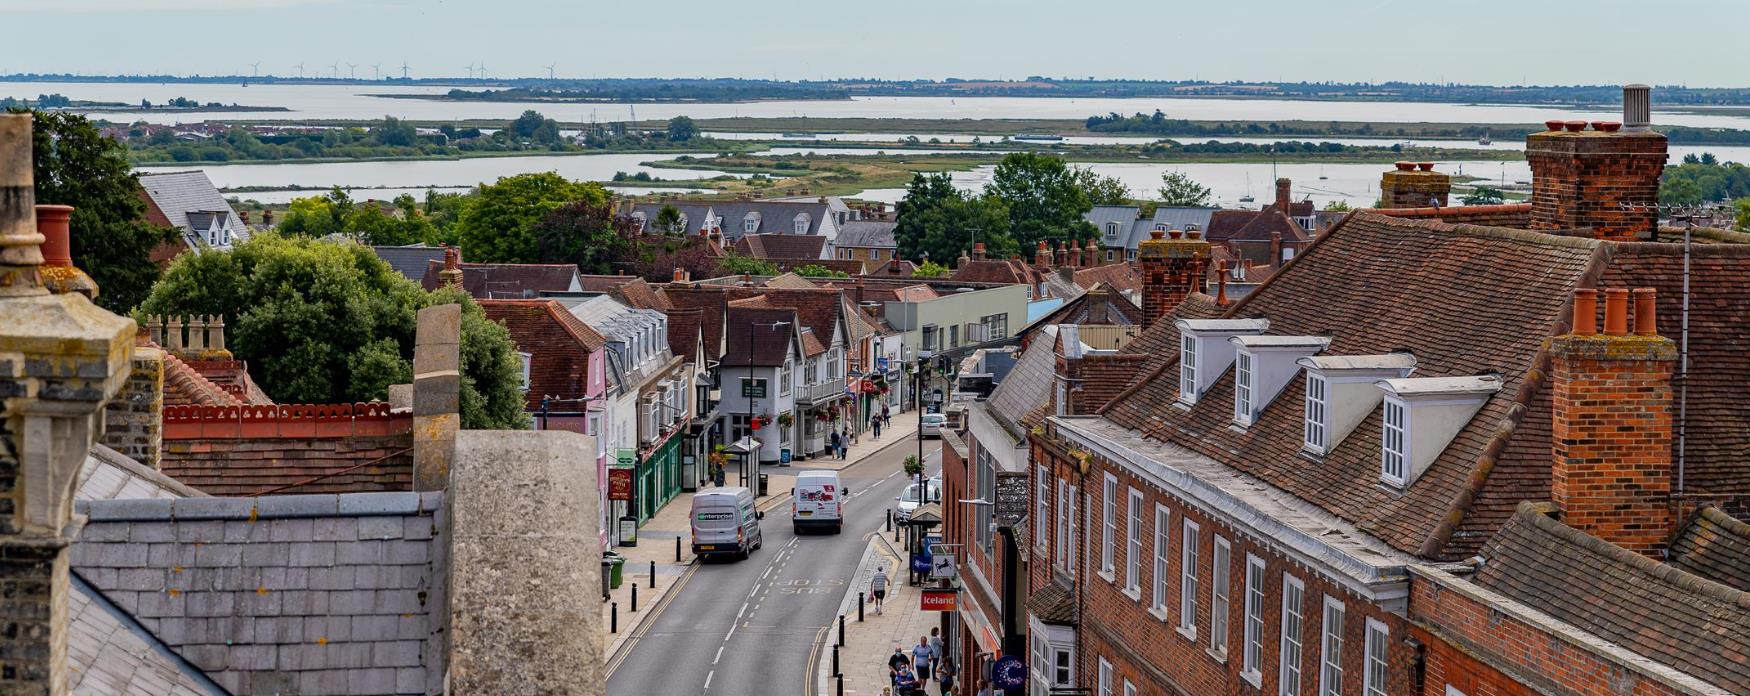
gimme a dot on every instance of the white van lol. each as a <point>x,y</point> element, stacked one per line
<point>818,501</point>
<point>725,522</point>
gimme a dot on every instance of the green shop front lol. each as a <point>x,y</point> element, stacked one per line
<point>658,478</point>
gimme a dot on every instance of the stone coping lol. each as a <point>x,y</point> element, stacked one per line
<point>265,507</point>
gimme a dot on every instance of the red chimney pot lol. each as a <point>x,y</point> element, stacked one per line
<point>1607,126</point>
<point>1425,166</point>
<point>1646,312</point>
<point>1156,233</point>
<point>1585,312</point>
<point>1574,126</point>
<point>1175,234</point>
<point>54,222</point>
<point>1405,166</point>
<point>1553,124</point>
<point>1616,312</point>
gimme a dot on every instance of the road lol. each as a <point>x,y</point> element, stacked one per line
<point>748,627</point>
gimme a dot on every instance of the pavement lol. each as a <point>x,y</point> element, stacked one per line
<point>863,658</point>
<point>658,566</point>
<point>756,626</point>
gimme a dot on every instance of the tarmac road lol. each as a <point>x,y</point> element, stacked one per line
<point>746,628</point>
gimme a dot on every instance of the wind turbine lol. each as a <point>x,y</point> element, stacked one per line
<point>404,70</point>
<point>255,69</point>
<point>334,70</point>
<point>352,71</point>
<point>470,71</point>
<point>550,71</point>
<point>300,71</point>
<point>376,71</point>
<point>482,70</point>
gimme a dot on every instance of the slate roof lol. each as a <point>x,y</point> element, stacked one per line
<point>1102,304</point>
<point>1715,546</point>
<point>508,280</point>
<point>1028,384</point>
<point>176,194</point>
<point>866,234</point>
<point>1658,610</point>
<point>411,260</point>
<point>772,217</point>
<point>781,246</point>
<point>1176,218</point>
<point>109,653</point>
<point>313,594</point>
<point>111,475</point>
<point>1122,215</point>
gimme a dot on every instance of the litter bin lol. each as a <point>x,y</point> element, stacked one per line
<point>763,483</point>
<point>613,566</point>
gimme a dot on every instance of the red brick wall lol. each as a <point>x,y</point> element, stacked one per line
<point>1102,377</point>
<point>1612,434</point>
<point>1413,189</point>
<point>558,365</point>
<point>1583,179</point>
<point>251,450</point>
<point>1470,644</point>
<point>1152,653</point>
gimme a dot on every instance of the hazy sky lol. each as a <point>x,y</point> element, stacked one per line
<point>1479,41</point>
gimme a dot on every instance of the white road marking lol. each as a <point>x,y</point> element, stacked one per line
<point>719,655</point>
<point>708,676</point>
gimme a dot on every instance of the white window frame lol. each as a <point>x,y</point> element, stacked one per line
<point>1317,431</point>
<point>1220,607</point>
<point>1331,649</point>
<point>801,223</point>
<point>1108,526</point>
<point>1130,689</point>
<point>1075,566</point>
<point>1111,229</point>
<point>1375,660</point>
<point>1243,389</point>
<point>1394,442</point>
<point>1190,534</point>
<point>1293,621</point>
<point>1041,506</point>
<point>1163,543</point>
<point>1133,548</point>
<point>784,374</point>
<point>1252,636</point>
<point>1105,678</point>
<point>1062,406</point>
<point>1061,536</point>
<point>749,224</point>
<point>528,363</point>
<point>1188,368</point>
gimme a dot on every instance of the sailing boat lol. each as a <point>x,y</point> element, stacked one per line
<point>1248,197</point>
<point>1322,173</point>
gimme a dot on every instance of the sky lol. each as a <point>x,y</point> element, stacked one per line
<point>1480,41</point>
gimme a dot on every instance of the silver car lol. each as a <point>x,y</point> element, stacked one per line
<point>931,425</point>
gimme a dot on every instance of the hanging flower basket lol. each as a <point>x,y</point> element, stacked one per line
<point>785,419</point>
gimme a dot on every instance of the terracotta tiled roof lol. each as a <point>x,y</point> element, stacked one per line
<point>1508,215</point>
<point>558,344</point>
<point>1267,223</point>
<point>790,280</point>
<point>1122,276</point>
<point>811,345</point>
<point>1161,341</point>
<point>1655,609</point>
<point>507,280</point>
<point>1053,604</point>
<point>1428,287</point>
<point>640,295</point>
<point>1715,546</point>
<point>185,386</point>
<point>781,246</point>
<point>714,303</point>
<point>905,269</point>
<point>1010,271</point>
<point>685,327</point>
<point>1223,224</point>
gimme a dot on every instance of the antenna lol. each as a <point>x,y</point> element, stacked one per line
<point>376,71</point>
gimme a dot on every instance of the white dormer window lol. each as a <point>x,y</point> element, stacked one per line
<point>801,225</point>
<point>1340,393</point>
<point>1392,455</point>
<point>1422,416</point>
<point>1188,369</point>
<point>1111,229</point>
<point>1315,412</point>
<point>1243,389</point>
<point>1205,353</point>
<point>225,234</point>
<point>750,223</point>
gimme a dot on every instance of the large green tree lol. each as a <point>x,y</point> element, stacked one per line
<point>75,165</point>
<point>1180,190</point>
<point>937,218</point>
<point>498,223</point>
<point>1044,198</point>
<point>585,233</point>
<point>682,129</point>
<point>1101,190</point>
<point>329,322</point>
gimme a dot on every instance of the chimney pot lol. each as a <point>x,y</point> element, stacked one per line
<point>1646,312</point>
<point>1156,233</point>
<point>1553,124</point>
<point>1606,126</point>
<point>1616,312</point>
<point>1425,166</point>
<point>1175,234</point>
<point>1405,166</point>
<point>1574,126</point>
<point>679,275</point>
<point>1585,312</point>
<point>1191,232</point>
<point>1637,107</point>
<point>53,222</point>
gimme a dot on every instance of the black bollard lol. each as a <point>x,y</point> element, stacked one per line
<point>653,574</point>
<point>634,597</point>
<point>835,660</point>
<point>614,617</point>
<point>840,689</point>
<point>859,607</point>
<point>889,519</point>
<point>677,548</point>
<point>841,629</point>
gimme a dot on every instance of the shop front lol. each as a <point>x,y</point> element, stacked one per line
<point>659,478</point>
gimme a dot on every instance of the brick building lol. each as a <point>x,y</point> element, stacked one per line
<point>1432,475</point>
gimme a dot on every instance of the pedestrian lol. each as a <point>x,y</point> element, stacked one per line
<point>897,661</point>
<point>920,659</point>
<point>886,417</point>
<point>835,444</point>
<point>946,675</point>
<point>935,648</point>
<point>875,426</point>
<point>878,588</point>
<point>983,688</point>
<point>906,682</point>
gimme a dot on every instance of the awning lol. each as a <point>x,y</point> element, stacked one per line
<point>745,445</point>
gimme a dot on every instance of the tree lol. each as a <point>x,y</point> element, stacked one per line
<point>1042,198</point>
<point>1180,190</point>
<point>394,132</point>
<point>112,242</point>
<point>1101,190</point>
<point>668,219</point>
<point>497,224</point>
<point>682,129</point>
<point>525,126</point>
<point>815,270</point>
<point>372,225</point>
<point>317,216</point>
<point>747,265</point>
<point>1338,206</point>
<point>329,322</point>
<point>1484,195</point>
<point>913,467</point>
<point>585,233</point>
<point>1743,221</point>
<point>938,219</point>
<point>929,269</point>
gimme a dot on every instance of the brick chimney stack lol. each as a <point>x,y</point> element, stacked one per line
<point>978,251</point>
<point>1612,423</point>
<point>1090,254</point>
<point>1283,194</point>
<point>66,357</point>
<point>1062,256</point>
<point>1414,185</point>
<point>1042,255</point>
<point>451,276</point>
<point>1171,270</point>
<point>1605,179</point>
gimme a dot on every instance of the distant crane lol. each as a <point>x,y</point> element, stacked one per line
<point>352,71</point>
<point>376,71</point>
<point>404,70</point>
<point>255,69</point>
<point>550,71</point>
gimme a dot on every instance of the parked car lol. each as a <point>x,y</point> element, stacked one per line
<point>931,424</point>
